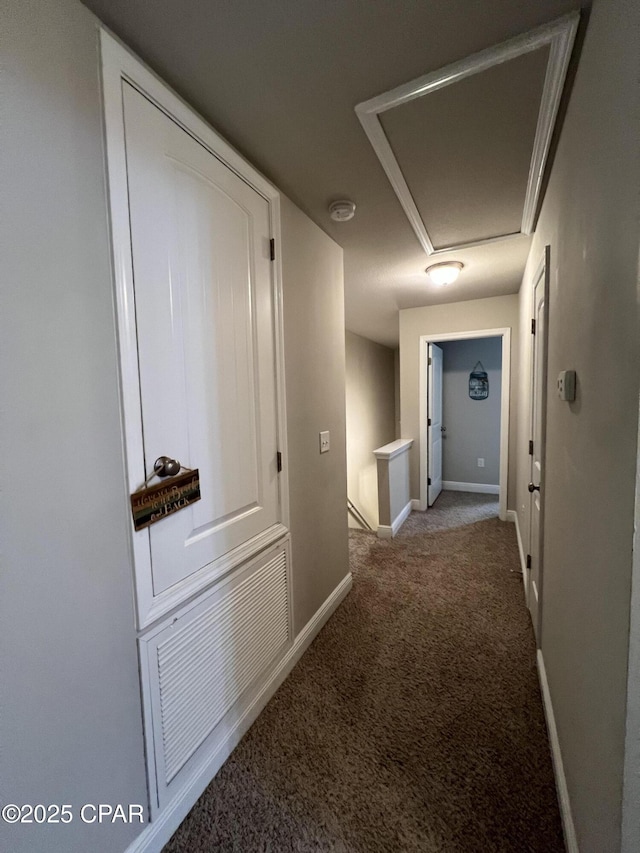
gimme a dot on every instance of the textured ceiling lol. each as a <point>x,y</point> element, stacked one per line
<point>280,80</point>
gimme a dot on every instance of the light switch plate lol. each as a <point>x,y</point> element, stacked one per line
<point>325,441</point>
<point>480,462</point>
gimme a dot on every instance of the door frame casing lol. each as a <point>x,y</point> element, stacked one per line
<point>505,399</point>
<point>118,65</point>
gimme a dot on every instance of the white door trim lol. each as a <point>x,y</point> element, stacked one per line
<point>425,340</point>
<point>119,64</point>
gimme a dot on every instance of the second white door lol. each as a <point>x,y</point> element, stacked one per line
<point>434,423</point>
<point>533,577</point>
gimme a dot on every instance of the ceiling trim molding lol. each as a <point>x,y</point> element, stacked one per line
<point>560,36</point>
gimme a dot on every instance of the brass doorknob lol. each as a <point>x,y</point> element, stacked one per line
<point>164,466</point>
<point>533,488</point>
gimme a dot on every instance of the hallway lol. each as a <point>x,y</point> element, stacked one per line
<point>413,723</point>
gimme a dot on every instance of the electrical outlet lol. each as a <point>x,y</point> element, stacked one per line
<point>480,462</point>
<point>325,442</point>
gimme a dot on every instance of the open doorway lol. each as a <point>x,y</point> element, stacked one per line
<point>464,414</point>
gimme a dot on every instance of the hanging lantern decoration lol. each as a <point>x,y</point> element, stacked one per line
<point>478,383</point>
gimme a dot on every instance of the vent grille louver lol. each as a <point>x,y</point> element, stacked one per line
<point>205,665</point>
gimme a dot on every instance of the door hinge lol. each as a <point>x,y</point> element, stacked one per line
<point>428,421</point>
<point>428,481</point>
<point>533,327</point>
<point>279,461</point>
<point>272,249</point>
<point>530,448</point>
<point>429,362</point>
<point>528,561</point>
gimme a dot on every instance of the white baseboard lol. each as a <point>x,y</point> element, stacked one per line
<point>155,835</point>
<point>417,505</point>
<point>513,516</point>
<point>388,532</point>
<point>568,827</point>
<point>480,488</point>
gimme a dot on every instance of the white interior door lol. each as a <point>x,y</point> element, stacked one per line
<point>538,419</point>
<point>434,423</point>
<point>205,332</point>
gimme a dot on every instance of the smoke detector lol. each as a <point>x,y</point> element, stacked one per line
<point>342,211</point>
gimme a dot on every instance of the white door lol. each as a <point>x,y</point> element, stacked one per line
<point>434,423</point>
<point>533,579</point>
<point>204,315</point>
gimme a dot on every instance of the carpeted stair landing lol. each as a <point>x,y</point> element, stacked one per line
<point>413,723</point>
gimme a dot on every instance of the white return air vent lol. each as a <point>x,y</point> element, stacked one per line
<point>203,665</point>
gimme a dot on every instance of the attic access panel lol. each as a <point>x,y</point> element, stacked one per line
<point>465,151</point>
<point>463,174</point>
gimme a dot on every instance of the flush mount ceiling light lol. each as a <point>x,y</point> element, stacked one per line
<point>342,211</point>
<point>444,273</point>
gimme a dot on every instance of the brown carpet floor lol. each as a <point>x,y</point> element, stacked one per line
<point>413,723</point>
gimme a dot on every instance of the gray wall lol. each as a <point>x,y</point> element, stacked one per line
<point>71,729</point>
<point>71,726</point>
<point>473,426</point>
<point>478,314</point>
<point>396,379</point>
<point>370,400</point>
<point>590,217</point>
<point>315,379</point>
